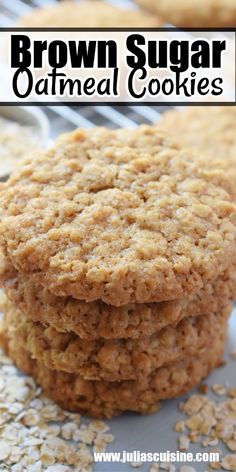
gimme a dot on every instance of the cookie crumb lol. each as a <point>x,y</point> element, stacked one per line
<point>180,426</point>
<point>154,468</point>
<point>229,462</point>
<point>203,389</point>
<point>186,468</point>
<point>184,442</point>
<point>219,389</point>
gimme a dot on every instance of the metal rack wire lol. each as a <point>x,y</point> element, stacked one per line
<point>65,118</point>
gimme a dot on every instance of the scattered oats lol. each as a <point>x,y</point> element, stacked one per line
<point>17,468</point>
<point>194,438</point>
<point>58,468</point>
<point>172,468</point>
<point>183,442</point>
<point>15,456</point>
<point>5,450</point>
<point>87,436</point>
<point>136,465</point>
<point>73,417</point>
<point>180,426</point>
<point>36,403</point>
<point>99,426</point>
<point>165,466</point>
<point>15,408</point>
<point>68,430</point>
<point>47,459</point>
<point>33,442</point>
<point>71,455</point>
<point>107,438</point>
<point>5,360</point>
<point>51,430</point>
<point>229,462</point>
<point>30,437</point>
<point>31,418</point>
<point>23,394</point>
<point>154,468</point>
<point>193,404</point>
<point>231,444</point>
<point>215,465</point>
<point>211,422</point>
<point>195,422</point>
<point>11,370</point>
<point>2,384</point>
<point>37,467</point>
<point>186,468</point>
<point>49,411</point>
<point>210,442</point>
<point>219,389</point>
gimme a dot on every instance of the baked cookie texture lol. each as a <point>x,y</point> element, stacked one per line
<point>107,399</point>
<point>208,130</point>
<point>97,320</point>
<point>115,359</point>
<point>89,14</point>
<point>123,216</point>
<point>193,13</point>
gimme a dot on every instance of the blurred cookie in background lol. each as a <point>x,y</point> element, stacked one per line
<point>210,130</point>
<point>89,14</point>
<point>193,13</point>
<point>22,131</point>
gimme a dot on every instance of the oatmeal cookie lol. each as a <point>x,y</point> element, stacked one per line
<point>123,216</point>
<point>107,399</point>
<point>208,130</point>
<point>193,13</point>
<point>98,320</point>
<point>86,14</point>
<point>118,359</point>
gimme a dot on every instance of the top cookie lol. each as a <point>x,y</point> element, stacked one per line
<point>210,130</point>
<point>86,14</point>
<point>122,216</point>
<point>194,13</point>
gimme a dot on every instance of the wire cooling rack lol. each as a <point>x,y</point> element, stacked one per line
<point>66,118</point>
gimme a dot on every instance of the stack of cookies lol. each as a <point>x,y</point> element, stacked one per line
<point>118,267</point>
